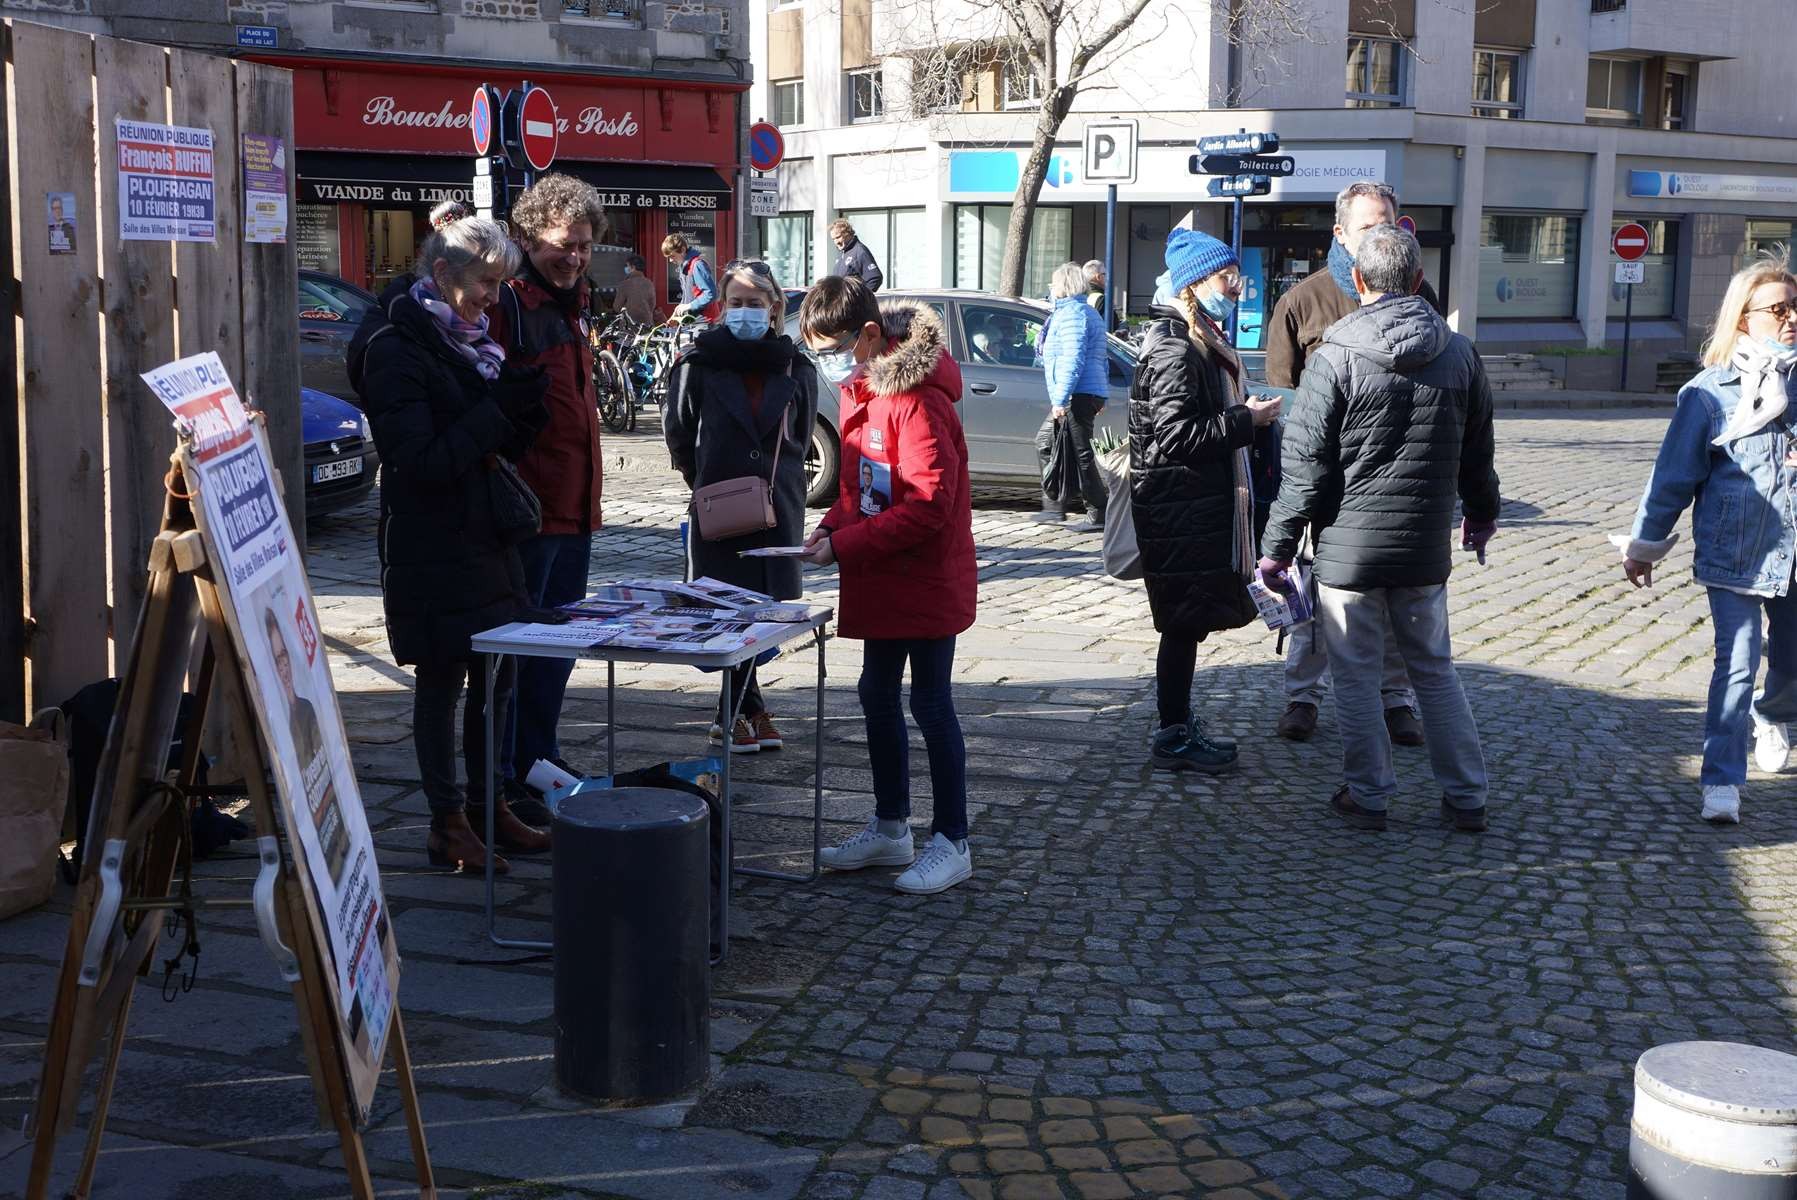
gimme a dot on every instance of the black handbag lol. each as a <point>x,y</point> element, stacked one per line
<point>517,513</point>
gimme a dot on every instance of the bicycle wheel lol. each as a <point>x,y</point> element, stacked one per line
<point>617,406</point>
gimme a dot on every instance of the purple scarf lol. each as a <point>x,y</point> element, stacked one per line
<point>468,339</point>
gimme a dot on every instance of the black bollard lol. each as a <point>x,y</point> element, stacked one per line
<point>632,932</point>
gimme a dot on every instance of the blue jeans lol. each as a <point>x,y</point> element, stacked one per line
<point>1728,724</point>
<point>933,707</point>
<point>555,573</point>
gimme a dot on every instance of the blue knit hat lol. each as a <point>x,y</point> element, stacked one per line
<point>1192,256</point>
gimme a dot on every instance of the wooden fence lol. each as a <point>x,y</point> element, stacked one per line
<point>82,466</point>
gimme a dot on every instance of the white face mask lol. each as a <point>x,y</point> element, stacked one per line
<point>837,365</point>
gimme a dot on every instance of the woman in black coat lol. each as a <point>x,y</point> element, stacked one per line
<point>1190,493</point>
<point>743,403</point>
<point>444,408</point>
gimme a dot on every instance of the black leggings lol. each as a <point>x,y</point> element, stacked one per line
<point>1174,667</point>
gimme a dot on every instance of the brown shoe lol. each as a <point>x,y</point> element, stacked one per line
<point>766,736</point>
<point>453,843</point>
<point>1404,728</point>
<point>510,833</point>
<point>1299,721</point>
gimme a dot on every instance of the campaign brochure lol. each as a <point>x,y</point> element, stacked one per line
<point>1283,611</point>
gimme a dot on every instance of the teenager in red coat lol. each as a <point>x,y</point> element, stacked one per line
<point>901,533</point>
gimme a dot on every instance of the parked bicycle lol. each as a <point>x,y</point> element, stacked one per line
<point>631,364</point>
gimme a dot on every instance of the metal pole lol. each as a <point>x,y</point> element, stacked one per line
<point>1628,314</point>
<point>1110,242</point>
<point>1235,244</point>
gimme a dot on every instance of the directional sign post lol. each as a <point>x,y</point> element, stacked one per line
<point>1240,164</point>
<point>1630,244</point>
<point>1110,158</point>
<point>1245,164</point>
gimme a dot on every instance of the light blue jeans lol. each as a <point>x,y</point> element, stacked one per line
<point>1728,724</point>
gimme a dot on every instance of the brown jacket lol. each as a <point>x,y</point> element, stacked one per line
<point>636,296</point>
<point>1301,318</point>
<point>563,465</point>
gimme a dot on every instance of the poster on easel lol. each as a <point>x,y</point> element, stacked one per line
<point>274,625</point>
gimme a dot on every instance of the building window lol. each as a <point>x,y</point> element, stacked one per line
<point>1653,295</point>
<point>786,245</point>
<point>937,85</point>
<point>1529,265</point>
<point>1375,72</point>
<point>789,102</point>
<point>980,246</point>
<point>1613,92</point>
<point>1675,95</point>
<point>895,237</point>
<point>1763,236</point>
<point>1497,83</point>
<point>1022,82</point>
<point>604,10</point>
<point>867,95</point>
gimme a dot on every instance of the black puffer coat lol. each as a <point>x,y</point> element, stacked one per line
<point>445,573</point>
<point>1391,423</point>
<point>713,435</point>
<point>1183,435</point>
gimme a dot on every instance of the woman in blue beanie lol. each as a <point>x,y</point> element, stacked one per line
<point>1189,435</point>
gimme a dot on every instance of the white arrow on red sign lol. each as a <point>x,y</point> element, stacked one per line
<point>1630,242</point>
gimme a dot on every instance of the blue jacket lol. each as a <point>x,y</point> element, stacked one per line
<point>1743,524</point>
<point>1074,355</point>
<point>704,286</point>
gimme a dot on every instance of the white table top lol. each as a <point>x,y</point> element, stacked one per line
<point>497,641</point>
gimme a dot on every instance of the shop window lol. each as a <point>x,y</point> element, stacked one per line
<point>980,246</point>
<point>315,238</point>
<point>1375,72</point>
<point>1497,83</point>
<point>1653,295</point>
<point>789,102</point>
<point>394,236</point>
<point>895,236</point>
<point>1769,237</point>
<point>866,94</point>
<point>1529,265</point>
<point>606,270</point>
<point>1613,92</point>
<point>786,245</point>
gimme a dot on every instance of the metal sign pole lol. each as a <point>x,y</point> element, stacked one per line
<point>1110,242</point>
<point>1235,244</point>
<point>1628,315</point>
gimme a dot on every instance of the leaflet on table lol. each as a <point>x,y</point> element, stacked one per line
<point>693,636</point>
<point>727,594</point>
<point>582,634</point>
<point>773,552</point>
<point>603,610</point>
<point>784,614</point>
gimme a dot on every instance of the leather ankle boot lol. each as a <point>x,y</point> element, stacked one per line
<point>510,833</point>
<point>452,842</point>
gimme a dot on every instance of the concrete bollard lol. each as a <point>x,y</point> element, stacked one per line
<point>1714,1121</point>
<point>632,918</point>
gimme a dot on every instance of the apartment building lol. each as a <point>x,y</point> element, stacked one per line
<point>1520,134</point>
<point>650,96</point>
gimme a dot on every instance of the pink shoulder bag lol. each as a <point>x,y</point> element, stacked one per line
<point>744,505</point>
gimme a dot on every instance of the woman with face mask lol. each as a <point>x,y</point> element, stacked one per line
<point>1730,454</point>
<point>1189,434</point>
<point>742,402</point>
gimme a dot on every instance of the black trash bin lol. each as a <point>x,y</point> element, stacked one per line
<point>632,931</point>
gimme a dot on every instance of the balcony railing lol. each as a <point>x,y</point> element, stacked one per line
<point>1604,6</point>
<point>610,10</point>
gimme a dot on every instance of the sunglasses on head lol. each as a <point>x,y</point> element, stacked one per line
<point>1784,310</point>
<point>754,265</point>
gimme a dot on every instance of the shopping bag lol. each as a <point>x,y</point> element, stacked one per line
<point>1122,557</point>
<point>1060,473</point>
<point>34,790</point>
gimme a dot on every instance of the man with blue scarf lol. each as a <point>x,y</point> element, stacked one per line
<point>1295,331</point>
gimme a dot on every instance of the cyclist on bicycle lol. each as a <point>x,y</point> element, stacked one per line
<point>698,286</point>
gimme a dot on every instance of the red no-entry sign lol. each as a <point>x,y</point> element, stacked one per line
<point>537,129</point>
<point>1630,242</point>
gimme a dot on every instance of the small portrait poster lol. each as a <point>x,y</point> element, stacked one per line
<point>59,208</point>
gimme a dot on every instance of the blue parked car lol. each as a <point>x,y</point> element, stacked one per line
<point>340,458</point>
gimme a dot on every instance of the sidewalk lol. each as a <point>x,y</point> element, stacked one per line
<point>1579,401</point>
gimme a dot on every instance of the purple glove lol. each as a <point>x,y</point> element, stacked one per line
<point>1272,573</point>
<point>1475,534</point>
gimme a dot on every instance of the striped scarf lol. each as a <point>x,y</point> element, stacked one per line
<point>1205,331</point>
<point>466,338</point>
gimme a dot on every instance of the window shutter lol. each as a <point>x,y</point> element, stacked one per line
<point>857,34</point>
<point>786,44</point>
<point>1504,23</point>
<point>1384,18</point>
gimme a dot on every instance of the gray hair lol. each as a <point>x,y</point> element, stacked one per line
<point>467,245</point>
<point>1345,198</point>
<point>751,272</point>
<point>1094,271</point>
<point>1389,260</point>
<point>1069,279</point>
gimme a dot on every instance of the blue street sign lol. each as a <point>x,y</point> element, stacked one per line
<point>1239,143</point>
<point>259,37</point>
<point>1241,185</point>
<point>1239,164</point>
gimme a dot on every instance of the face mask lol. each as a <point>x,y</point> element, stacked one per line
<point>629,271</point>
<point>1774,345</point>
<point>837,366</point>
<point>1216,305</point>
<point>746,323</point>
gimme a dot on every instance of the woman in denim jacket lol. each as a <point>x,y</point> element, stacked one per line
<point>1731,449</point>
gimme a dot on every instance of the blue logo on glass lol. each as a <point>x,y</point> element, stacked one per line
<point>1059,173</point>
<point>982,171</point>
<point>1503,289</point>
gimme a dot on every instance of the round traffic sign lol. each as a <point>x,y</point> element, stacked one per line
<point>766,146</point>
<point>1630,242</point>
<point>480,119</point>
<point>1408,224</point>
<point>536,128</point>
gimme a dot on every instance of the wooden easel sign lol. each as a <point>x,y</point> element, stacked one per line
<point>267,603</point>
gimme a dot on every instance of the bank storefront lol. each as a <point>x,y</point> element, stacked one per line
<point>379,147</point>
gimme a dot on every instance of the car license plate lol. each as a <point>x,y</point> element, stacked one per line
<point>325,472</point>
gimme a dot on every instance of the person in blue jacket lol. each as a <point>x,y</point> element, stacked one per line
<point>1075,360</point>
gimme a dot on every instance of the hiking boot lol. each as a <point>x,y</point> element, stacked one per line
<point>1467,820</point>
<point>1180,748</point>
<point>869,848</point>
<point>1299,721</point>
<point>1404,728</point>
<point>1348,809</point>
<point>940,867</point>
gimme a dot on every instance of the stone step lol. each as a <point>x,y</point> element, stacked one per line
<point>1519,373</point>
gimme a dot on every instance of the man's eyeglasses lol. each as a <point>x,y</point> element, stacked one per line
<point>1784,310</point>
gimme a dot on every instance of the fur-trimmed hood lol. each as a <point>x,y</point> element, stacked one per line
<point>919,354</point>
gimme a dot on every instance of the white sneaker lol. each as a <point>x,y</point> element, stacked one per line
<point>1771,747</point>
<point>870,848</point>
<point>1721,803</point>
<point>939,868</point>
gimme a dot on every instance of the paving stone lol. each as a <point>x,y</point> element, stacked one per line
<point>1058,1133</point>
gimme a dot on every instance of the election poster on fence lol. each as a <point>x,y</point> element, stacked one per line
<point>166,188</point>
<point>268,605</point>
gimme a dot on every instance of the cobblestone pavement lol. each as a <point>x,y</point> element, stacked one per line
<point>1149,987</point>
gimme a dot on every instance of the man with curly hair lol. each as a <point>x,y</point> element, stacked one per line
<point>541,321</point>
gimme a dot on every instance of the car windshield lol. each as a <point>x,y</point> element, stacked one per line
<point>323,301</point>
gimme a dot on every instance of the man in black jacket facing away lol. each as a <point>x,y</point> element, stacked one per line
<point>853,259</point>
<point>1391,423</point>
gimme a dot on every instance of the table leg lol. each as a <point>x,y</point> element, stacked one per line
<point>492,679</point>
<point>817,793</point>
<point>611,719</point>
<point>727,868</point>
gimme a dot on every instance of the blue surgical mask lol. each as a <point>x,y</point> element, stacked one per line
<point>629,270</point>
<point>1775,346</point>
<point>746,323</point>
<point>837,365</point>
<point>1217,305</point>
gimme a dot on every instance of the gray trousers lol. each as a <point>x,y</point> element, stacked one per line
<point>1307,670</point>
<point>1354,626</point>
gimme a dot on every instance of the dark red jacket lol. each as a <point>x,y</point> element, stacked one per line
<point>563,466</point>
<point>902,529</point>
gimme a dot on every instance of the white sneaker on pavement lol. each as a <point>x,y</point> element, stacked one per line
<point>869,848</point>
<point>1771,746</point>
<point>940,867</point>
<point>1721,803</point>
